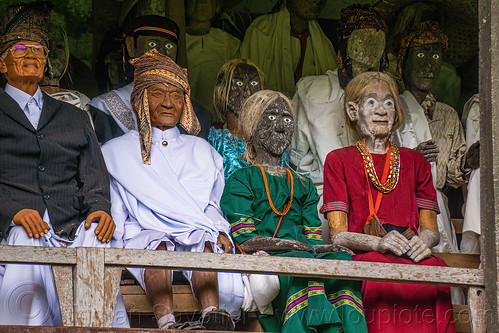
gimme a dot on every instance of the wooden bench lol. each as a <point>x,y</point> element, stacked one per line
<point>137,303</point>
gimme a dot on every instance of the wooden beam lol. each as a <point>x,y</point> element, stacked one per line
<point>111,286</point>
<point>303,267</point>
<point>488,20</point>
<point>89,287</point>
<point>476,302</point>
<point>462,260</point>
<point>37,255</point>
<point>63,281</point>
<point>340,269</point>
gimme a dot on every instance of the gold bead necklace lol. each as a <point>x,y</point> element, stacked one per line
<point>393,175</point>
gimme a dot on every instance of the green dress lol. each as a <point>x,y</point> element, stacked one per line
<point>303,304</point>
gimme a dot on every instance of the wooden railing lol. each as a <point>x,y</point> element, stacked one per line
<point>87,279</point>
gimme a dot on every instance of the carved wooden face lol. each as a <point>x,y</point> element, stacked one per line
<point>365,47</point>
<point>146,43</point>
<point>306,9</point>
<point>275,129</point>
<point>245,82</point>
<point>375,113</point>
<point>27,68</point>
<point>422,66</point>
<point>166,104</point>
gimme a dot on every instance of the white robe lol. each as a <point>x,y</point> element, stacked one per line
<point>413,131</point>
<point>28,292</point>
<point>175,199</point>
<point>320,128</point>
<point>471,224</point>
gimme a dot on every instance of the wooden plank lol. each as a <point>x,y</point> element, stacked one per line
<point>137,290</point>
<point>111,286</point>
<point>137,302</point>
<point>476,302</point>
<point>460,259</point>
<point>89,287</point>
<point>303,267</point>
<point>488,37</point>
<point>37,255</point>
<point>461,318</point>
<point>63,281</point>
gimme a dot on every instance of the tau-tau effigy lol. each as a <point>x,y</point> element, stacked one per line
<point>273,210</point>
<point>172,201</point>
<point>112,112</point>
<point>207,48</point>
<point>321,122</point>
<point>236,80</point>
<point>381,203</point>
<point>431,127</point>
<point>54,187</point>
<point>289,44</point>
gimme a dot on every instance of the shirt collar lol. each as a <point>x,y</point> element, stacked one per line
<point>22,98</point>
<point>168,134</point>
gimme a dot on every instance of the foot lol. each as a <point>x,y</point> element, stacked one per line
<point>218,320</point>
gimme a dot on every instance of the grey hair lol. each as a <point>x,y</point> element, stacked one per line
<point>251,114</point>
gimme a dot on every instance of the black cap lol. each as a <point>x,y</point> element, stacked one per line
<point>154,25</point>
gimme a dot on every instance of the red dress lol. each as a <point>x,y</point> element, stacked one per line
<point>390,307</point>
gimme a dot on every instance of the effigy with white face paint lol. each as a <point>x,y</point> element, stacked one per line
<point>272,211</point>
<point>381,204</point>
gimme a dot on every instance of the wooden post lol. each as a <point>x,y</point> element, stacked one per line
<point>89,287</point>
<point>476,303</point>
<point>488,20</point>
<point>111,285</point>
<point>63,281</point>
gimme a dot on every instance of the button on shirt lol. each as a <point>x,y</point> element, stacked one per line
<point>31,105</point>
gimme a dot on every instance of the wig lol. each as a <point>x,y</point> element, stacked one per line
<point>357,87</point>
<point>251,115</point>
<point>222,84</point>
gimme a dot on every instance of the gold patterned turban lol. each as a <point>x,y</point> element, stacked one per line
<point>149,69</point>
<point>426,33</point>
<point>25,22</point>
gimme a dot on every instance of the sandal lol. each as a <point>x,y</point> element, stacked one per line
<point>218,320</point>
<point>188,326</point>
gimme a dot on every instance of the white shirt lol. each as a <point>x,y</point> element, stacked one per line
<point>31,105</point>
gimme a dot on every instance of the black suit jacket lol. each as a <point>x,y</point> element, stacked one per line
<point>58,167</point>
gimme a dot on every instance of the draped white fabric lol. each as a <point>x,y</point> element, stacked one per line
<point>174,200</point>
<point>28,292</point>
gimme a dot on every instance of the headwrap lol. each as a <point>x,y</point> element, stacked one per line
<point>154,25</point>
<point>352,18</point>
<point>151,68</point>
<point>428,32</point>
<point>25,22</point>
